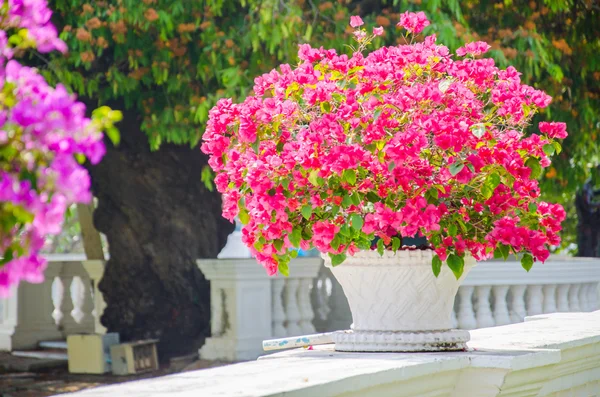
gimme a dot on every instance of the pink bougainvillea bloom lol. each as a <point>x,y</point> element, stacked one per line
<point>356,21</point>
<point>343,149</point>
<point>413,22</point>
<point>475,48</point>
<point>554,129</point>
<point>43,179</point>
<point>378,31</point>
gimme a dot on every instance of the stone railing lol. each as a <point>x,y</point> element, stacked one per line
<point>554,356</point>
<point>493,293</point>
<point>67,302</point>
<point>247,306</point>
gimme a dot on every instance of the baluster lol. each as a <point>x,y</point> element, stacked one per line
<point>278,314</point>
<point>562,294</point>
<point>77,291</point>
<point>518,312</point>
<point>574,302</point>
<point>501,316</point>
<point>58,292</point>
<point>292,313</point>
<point>584,302</point>
<point>550,298</point>
<point>320,302</point>
<point>483,312</point>
<point>535,298</point>
<point>304,305</point>
<point>466,317</point>
<point>593,296</point>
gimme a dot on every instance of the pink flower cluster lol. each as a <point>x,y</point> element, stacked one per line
<point>347,149</point>
<point>42,129</point>
<point>414,22</point>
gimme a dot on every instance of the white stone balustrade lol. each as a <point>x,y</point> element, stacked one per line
<point>498,292</point>
<point>554,356</point>
<point>66,302</point>
<point>494,293</point>
<point>248,306</point>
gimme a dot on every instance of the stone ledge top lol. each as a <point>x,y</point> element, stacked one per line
<point>323,372</point>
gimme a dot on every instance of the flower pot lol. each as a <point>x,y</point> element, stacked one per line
<point>397,303</point>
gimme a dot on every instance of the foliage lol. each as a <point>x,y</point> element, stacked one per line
<point>344,149</point>
<point>171,60</point>
<point>43,132</point>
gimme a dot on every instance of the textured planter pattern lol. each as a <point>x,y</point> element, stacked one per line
<point>398,304</point>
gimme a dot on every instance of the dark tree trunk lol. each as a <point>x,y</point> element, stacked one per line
<point>158,218</point>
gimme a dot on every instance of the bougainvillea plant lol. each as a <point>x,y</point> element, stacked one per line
<point>44,136</point>
<point>344,150</point>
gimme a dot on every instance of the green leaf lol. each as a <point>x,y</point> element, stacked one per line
<point>380,247</point>
<point>295,237</point>
<point>452,229</point>
<point>455,168</point>
<point>493,181</point>
<point>244,216</point>
<point>532,207</point>
<point>337,259</point>
<point>501,251</point>
<point>396,243</point>
<point>436,265</point>
<point>355,198</point>
<point>284,268</point>
<point>278,244</point>
<point>335,243</point>
<point>357,222</point>
<point>7,257</point>
<point>557,147</point>
<point>312,177</point>
<point>256,145</point>
<point>536,168</point>
<point>486,191</point>
<point>391,166</point>
<point>349,176</point>
<point>456,264</point>
<point>346,201</point>
<point>80,158</point>
<point>373,198</point>
<point>325,107</point>
<point>114,135</point>
<point>549,149</point>
<point>527,262</point>
<point>431,196</point>
<point>376,114</point>
<point>306,211</point>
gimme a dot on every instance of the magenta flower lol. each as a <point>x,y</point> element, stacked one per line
<point>378,31</point>
<point>553,130</point>
<point>39,183</point>
<point>413,22</point>
<point>475,48</point>
<point>344,149</point>
<point>356,21</point>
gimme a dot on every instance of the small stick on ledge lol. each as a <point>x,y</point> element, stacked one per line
<point>299,341</point>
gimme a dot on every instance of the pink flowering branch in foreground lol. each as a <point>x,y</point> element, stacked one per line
<point>44,135</point>
<point>345,150</point>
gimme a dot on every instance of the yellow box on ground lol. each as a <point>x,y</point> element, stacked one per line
<point>90,354</point>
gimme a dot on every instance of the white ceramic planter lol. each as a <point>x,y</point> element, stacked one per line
<point>397,303</point>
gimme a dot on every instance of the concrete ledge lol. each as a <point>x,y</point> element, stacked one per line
<point>554,356</point>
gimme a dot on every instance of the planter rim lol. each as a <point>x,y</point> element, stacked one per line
<point>370,258</point>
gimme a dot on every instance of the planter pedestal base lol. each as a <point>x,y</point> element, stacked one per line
<point>373,341</point>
